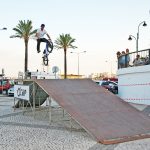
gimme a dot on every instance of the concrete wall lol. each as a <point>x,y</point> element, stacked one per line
<point>134,84</point>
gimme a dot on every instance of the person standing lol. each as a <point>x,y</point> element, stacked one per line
<point>119,59</point>
<point>122,61</point>
<point>127,57</point>
<point>40,37</point>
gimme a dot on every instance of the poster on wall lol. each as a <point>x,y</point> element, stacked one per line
<point>21,92</point>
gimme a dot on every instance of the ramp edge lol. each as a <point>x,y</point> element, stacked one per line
<point>125,139</point>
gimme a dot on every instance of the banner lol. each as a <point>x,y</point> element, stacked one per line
<point>21,92</point>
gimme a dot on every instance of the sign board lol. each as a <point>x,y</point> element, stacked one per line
<point>20,75</point>
<point>2,70</point>
<point>21,92</point>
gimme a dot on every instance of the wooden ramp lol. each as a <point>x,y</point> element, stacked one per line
<point>102,114</point>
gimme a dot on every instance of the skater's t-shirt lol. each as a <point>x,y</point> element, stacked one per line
<point>41,33</point>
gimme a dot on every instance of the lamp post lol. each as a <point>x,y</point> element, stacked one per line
<point>4,28</point>
<point>110,67</point>
<point>78,54</point>
<point>137,38</point>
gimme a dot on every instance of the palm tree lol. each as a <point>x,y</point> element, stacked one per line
<point>24,30</point>
<point>65,41</point>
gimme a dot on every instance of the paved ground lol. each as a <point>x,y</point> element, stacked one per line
<point>29,131</point>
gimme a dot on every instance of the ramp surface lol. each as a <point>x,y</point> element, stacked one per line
<point>102,114</point>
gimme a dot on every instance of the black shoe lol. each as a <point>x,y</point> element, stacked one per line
<point>38,51</point>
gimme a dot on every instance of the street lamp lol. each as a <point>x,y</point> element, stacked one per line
<point>14,36</point>
<point>137,38</point>
<point>78,54</point>
<point>130,38</point>
<point>3,28</point>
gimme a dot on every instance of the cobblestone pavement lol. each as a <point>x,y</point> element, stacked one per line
<point>28,131</point>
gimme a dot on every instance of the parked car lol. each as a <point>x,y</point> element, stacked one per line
<point>4,85</point>
<point>109,85</point>
<point>114,89</point>
<point>11,91</point>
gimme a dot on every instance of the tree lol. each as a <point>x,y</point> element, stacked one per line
<point>64,41</point>
<point>24,30</point>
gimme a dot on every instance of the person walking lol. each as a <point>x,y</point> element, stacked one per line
<point>40,37</point>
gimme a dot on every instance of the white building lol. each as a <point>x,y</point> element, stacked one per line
<point>134,81</point>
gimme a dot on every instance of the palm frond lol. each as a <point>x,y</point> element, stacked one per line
<point>24,29</point>
<point>64,41</point>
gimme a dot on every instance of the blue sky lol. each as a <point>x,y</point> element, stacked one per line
<point>100,27</point>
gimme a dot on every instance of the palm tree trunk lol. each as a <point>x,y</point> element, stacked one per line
<point>65,64</point>
<point>26,57</point>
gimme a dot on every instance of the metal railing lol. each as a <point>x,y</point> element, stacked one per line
<point>138,58</point>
